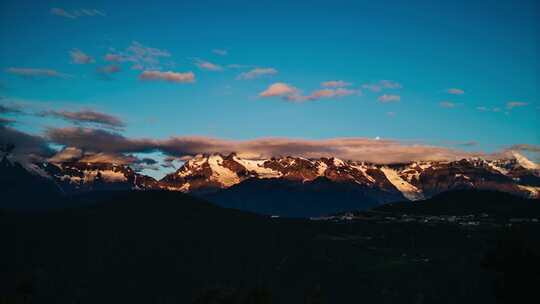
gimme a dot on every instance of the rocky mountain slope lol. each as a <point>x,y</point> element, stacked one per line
<point>413,181</point>
<point>292,183</point>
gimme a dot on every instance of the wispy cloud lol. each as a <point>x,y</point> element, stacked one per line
<point>86,117</point>
<point>335,84</point>
<point>448,104</point>
<point>74,14</point>
<point>389,98</point>
<point>32,72</point>
<point>7,109</point>
<point>187,77</point>
<point>257,72</point>
<point>455,91</point>
<point>221,52</point>
<point>140,56</point>
<point>515,104</point>
<point>79,57</point>
<point>487,109</point>
<point>240,66</point>
<point>207,65</point>
<point>6,121</point>
<point>382,85</point>
<point>323,93</point>
<point>109,69</point>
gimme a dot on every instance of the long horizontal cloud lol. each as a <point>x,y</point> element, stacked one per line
<point>5,109</point>
<point>323,93</point>
<point>168,76</point>
<point>361,149</point>
<point>31,72</point>
<point>293,94</point>
<point>86,116</point>
<point>74,14</point>
<point>207,65</point>
<point>335,84</point>
<point>386,98</point>
<point>382,85</point>
<point>257,72</point>
<point>514,104</point>
<point>455,91</point>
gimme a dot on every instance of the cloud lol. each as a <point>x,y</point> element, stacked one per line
<point>187,77</point>
<point>6,109</point>
<point>323,93</point>
<point>86,117</point>
<point>515,104</point>
<point>448,104</point>
<point>293,94</point>
<point>140,56</point>
<point>106,71</point>
<point>382,85</point>
<point>526,147</point>
<point>455,91</point>
<point>28,147</point>
<point>335,84</point>
<point>486,109</point>
<point>220,52</point>
<point>113,58</point>
<point>207,66</point>
<point>391,114</point>
<point>278,89</point>
<point>6,121</point>
<point>360,149</point>
<point>79,57</point>
<point>74,14</point>
<point>31,72</point>
<point>389,98</point>
<point>257,72</point>
<point>239,66</point>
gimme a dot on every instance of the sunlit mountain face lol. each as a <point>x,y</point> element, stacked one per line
<point>314,115</point>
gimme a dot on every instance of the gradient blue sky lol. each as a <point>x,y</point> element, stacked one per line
<point>488,49</point>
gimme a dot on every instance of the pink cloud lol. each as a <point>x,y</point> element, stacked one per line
<point>168,76</point>
<point>335,84</point>
<point>382,85</point>
<point>208,66</point>
<point>514,104</point>
<point>447,104</point>
<point>279,89</point>
<point>257,72</point>
<point>113,58</point>
<point>455,91</point>
<point>323,93</point>
<point>389,98</point>
<point>30,72</point>
<point>79,57</point>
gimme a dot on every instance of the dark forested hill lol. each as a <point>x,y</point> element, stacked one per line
<point>167,247</point>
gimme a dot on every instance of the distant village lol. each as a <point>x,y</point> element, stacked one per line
<point>469,220</point>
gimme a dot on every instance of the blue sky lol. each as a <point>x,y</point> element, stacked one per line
<point>487,50</point>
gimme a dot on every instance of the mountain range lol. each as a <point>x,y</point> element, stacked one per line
<point>292,186</point>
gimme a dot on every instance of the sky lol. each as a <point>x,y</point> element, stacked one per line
<point>461,75</point>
